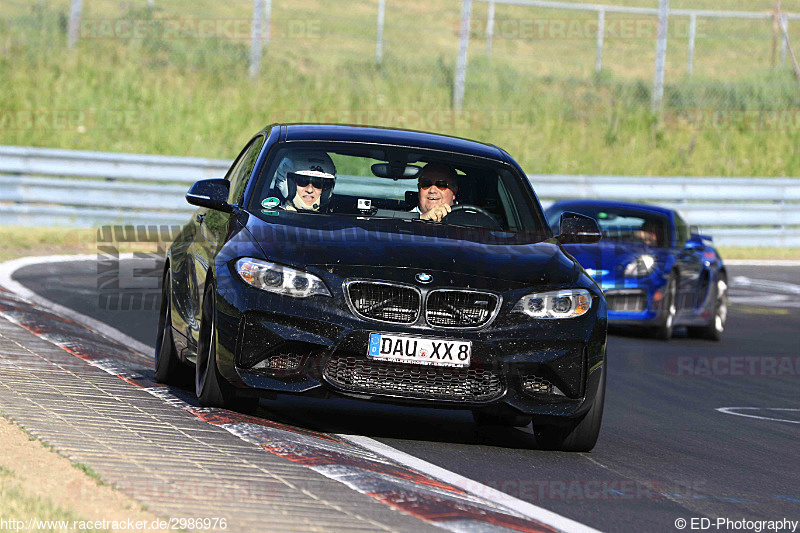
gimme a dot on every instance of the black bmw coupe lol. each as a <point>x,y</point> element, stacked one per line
<point>388,266</point>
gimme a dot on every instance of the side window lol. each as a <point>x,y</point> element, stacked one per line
<point>681,230</point>
<point>240,174</point>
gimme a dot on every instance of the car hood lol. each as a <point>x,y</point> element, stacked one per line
<point>336,242</point>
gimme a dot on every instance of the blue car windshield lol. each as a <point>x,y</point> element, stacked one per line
<point>377,182</point>
<point>620,224</point>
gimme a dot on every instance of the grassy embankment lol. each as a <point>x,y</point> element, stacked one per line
<point>538,98</point>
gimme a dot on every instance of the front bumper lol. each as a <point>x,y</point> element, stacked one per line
<point>635,301</point>
<point>316,347</point>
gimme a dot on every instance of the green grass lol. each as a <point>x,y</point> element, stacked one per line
<point>537,98</point>
<point>22,242</point>
<point>17,504</point>
<point>753,252</point>
<point>89,471</point>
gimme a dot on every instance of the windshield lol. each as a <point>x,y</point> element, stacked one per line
<point>395,183</point>
<point>620,224</point>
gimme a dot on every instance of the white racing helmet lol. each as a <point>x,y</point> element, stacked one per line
<point>304,160</point>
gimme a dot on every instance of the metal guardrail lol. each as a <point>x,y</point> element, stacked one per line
<point>46,187</point>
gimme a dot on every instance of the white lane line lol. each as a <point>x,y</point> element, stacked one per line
<point>765,300</point>
<point>732,411</point>
<point>762,262</point>
<point>524,508</point>
<point>8,268</point>
<point>781,287</point>
<point>763,292</point>
<point>470,486</point>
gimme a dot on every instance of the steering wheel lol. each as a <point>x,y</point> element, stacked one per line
<point>464,214</point>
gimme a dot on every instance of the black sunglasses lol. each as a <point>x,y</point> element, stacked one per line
<point>302,180</point>
<point>440,184</point>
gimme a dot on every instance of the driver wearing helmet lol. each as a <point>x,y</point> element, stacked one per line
<point>437,185</point>
<point>306,181</point>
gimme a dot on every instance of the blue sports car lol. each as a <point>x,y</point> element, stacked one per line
<point>653,270</point>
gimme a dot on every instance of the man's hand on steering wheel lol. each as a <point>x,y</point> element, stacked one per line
<point>437,213</point>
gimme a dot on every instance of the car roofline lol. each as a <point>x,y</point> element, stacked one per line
<point>402,138</point>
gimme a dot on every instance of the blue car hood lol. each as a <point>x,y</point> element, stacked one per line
<point>335,241</point>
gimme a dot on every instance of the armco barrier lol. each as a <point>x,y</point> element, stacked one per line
<point>44,187</point>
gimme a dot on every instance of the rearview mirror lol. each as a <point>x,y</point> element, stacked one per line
<point>578,229</point>
<point>395,171</point>
<point>212,194</point>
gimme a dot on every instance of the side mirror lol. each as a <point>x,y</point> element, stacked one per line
<point>212,194</point>
<point>578,229</point>
<point>696,242</point>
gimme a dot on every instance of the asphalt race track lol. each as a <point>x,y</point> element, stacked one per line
<point>692,428</point>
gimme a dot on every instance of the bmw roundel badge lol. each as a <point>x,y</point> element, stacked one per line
<point>424,277</point>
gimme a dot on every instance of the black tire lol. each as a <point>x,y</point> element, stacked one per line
<point>168,367</point>
<point>716,326</point>
<point>669,305</point>
<point>578,436</point>
<point>211,388</point>
<point>482,418</point>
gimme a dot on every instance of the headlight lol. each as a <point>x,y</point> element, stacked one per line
<point>555,304</point>
<point>280,279</point>
<point>640,267</point>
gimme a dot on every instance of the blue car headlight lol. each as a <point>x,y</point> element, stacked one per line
<point>280,279</point>
<point>555,304</point>
<point>640,267</point>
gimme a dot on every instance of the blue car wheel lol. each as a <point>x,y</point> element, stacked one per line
<point>669,306</point>
<point>716,326</point>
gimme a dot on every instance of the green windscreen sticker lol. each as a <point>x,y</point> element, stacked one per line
<point>270,202</point>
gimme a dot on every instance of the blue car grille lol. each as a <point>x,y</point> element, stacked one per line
<point>626,300</point>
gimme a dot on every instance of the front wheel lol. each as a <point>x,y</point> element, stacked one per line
<point>211,388</point>
<point>716,326</point>
<point>669,306</point>
<point>168,367</point>
<point>577,436</point>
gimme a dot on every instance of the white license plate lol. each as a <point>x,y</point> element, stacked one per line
<point>419,350</point>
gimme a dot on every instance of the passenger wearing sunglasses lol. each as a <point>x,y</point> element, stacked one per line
<point>437,185</point>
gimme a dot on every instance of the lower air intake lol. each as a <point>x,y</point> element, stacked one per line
<point>538,385</point>
<point>359,374</point>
